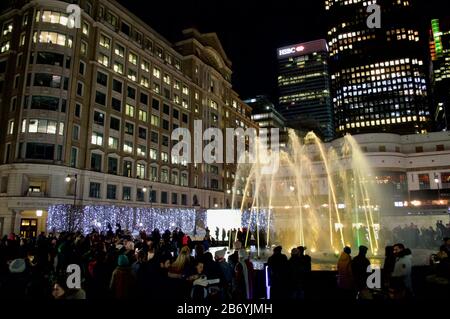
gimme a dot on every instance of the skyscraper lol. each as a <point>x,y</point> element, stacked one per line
<point>440,76</point>
<point>266,116</point>
<point>378,75</point>
<point>304,87</point>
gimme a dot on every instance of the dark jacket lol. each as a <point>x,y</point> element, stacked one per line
<point>359,270</point>
<point>122,283</point>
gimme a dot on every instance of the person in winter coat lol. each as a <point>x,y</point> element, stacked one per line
<point>401,285</point>
<point>62,292</point>
<point>345,276</point>
<point>17,281</point>
<point>122,280</point>
<point>227,273</point>
<point>278,265</point>
<point>388,267</point>
<point>298,272</point>
<point>359,269</point>
<point>243,278</point>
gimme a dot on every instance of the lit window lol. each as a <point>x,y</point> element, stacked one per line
<point>103,59</point>
<point>105,41</point>
<point>113,142</point>
<point>145,66</point>
<point>85,28</point>
<point>4,47</point>
<point>165,157</point>
<point>132,75</point>
<point>156,73</point>
<point>53,38</point>
<point>10,127</point>
<point>145,82</point>
<point>129,110</point>
<point>118,67</point>
<point>83,48</point>
<point>128,147</point>
<point>153,154</point>
<point>142,116</point>
<point>154,120</point>
<point>166,79</point>
<point>97,138</point>
<point>142,150</point>
<point>177,64</point>
<point>132,58</point>
<point>156,88</point>
<point>22,39</point>
<point>119,50</point>
<point>140,169</point>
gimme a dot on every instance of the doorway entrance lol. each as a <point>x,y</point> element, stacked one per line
<point>28,227</point>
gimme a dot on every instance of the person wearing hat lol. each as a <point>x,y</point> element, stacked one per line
<point>122,281</point>
<point>15,284</point>
<point>226,271</point>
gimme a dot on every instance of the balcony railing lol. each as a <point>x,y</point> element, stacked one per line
<point>35,194</point>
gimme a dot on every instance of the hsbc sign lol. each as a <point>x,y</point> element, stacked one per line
<point>291,50</point>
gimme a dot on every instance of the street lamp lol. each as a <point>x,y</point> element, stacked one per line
<point>151,195</point>
<point>436,180</point>
<point>69,178</point>
<point>71,217</point>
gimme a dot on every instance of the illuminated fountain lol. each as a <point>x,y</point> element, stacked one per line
<point>321,197</point>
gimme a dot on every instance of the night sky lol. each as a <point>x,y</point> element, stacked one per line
<point>252,30</point>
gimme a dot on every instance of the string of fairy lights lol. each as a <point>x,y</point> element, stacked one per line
<point>90,217</point>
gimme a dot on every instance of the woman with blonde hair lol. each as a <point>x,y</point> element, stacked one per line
<point>181,266</point>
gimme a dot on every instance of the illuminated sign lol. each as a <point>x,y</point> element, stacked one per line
<point>291,50</point>
<point>437,37</point>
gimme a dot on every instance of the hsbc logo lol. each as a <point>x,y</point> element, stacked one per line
<point>291,50</point>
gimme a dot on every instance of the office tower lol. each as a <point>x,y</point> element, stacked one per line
<point>265,115</point>
<point>378,75</point>
<point>440,75</point>
<point>304,87</point>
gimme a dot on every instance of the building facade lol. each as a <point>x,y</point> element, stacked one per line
<point>440,75</point>
<point>304,87</point>
<point>265,115</point>
<point>97,105</point>
<point>378,75</point>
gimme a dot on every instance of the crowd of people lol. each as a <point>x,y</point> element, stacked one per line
<point>396,279</point>
<point>416,237</point>
<point>166,265</point>
<point>170,266</point>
